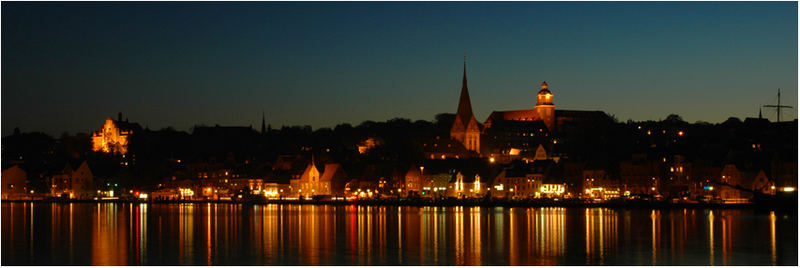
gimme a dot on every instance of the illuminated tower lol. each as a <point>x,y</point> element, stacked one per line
<point>545,107</point>
<point>465,128</point>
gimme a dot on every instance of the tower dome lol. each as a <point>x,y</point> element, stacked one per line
<point>544,97</point>
<point>545,107</point>
<point>544,88</point>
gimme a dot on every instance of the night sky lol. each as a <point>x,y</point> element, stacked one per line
<point>68,66</point>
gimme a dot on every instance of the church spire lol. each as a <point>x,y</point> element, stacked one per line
<point>263,125</point>
<point>464,80</point>
<point>465,128</point>
<point>464,104</point>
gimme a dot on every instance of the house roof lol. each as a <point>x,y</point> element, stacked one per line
<point>333,172</point>
<point>514,115</point>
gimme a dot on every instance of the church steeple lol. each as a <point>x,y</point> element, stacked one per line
<point>464,105</point>
<point>263,124</point>
<point>465,128</point>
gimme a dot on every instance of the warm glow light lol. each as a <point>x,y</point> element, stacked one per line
<point>552,188</point>
<point>785,189</point>
<point>110,139</point>
<point>491,160</point>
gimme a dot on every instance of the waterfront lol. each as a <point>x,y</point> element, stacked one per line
<point>231,234</point>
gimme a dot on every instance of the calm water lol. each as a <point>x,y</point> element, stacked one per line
<point>200,234</point>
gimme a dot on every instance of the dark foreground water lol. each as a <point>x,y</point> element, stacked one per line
<point>229,234</point>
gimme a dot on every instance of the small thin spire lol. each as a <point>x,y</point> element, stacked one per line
<point>464,82</point>
<point>263,125</point>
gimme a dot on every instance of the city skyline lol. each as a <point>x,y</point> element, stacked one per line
<point>399,133</point>
<point>323,64</point>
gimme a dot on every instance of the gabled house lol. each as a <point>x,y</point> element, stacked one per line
<point>76,184</point>
<point>14,180</point>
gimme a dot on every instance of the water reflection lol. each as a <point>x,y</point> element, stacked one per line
<point>228,234</point>
<point>601,234</point>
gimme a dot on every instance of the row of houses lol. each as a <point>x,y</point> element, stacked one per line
<point>294,177</point>
<point>74,183</point>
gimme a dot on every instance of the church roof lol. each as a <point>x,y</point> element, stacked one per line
<point>514,115</point>
<point>333,172</point>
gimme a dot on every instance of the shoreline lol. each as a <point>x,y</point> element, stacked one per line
<point>453,203</point>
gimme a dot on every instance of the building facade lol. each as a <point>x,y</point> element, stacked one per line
<point>113,136</point>
<point>14,182</point>
<point>75,183</point>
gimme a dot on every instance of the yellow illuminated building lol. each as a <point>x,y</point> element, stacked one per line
<point>112,137</point>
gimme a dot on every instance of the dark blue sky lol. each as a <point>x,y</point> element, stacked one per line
<point>68,66</point>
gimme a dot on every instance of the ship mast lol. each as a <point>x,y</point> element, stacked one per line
<point>779,106</point>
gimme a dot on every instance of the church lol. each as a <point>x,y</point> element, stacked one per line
<point>516,132</point>
<point>466,128</point>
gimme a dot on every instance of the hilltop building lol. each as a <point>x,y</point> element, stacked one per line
<point>114,136</point>
<point>516,132</point>
<point>543,111</point>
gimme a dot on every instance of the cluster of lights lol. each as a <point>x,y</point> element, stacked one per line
<point>552,188</point>
<point>271,193</point>
<point>186,192</point>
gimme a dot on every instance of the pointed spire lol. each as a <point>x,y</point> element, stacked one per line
<point>464,81</point>
<point>464,104</point>
<point>263,125</point>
